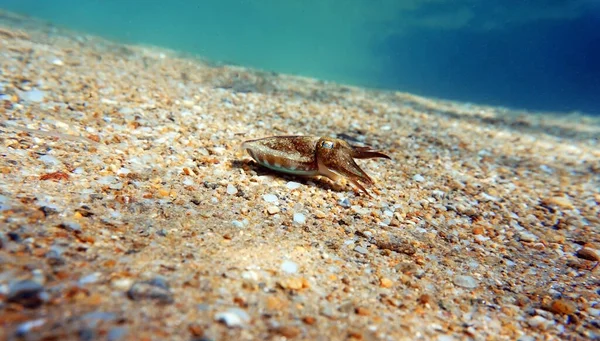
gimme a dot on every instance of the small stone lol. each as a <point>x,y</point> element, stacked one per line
<point>465,281</point>
<point>292,185</point>
<point>424,299</point>
<point>273,210</point>
<point>362,311</point>
<point>361,250</point>
<point>26,327</point>
<point>250,275</point>
<point>270,198</point>
<point>288,332</point>
<point>33,95</point>
<point>487,197</point>
<point>156,289</point>
<point>233,317</point>
<point>196,329</point>
<point>276,303</point>
<point>4,203</point>
<point>293,283</point>
<point>588,254</point>
<point>231,189</point>
<point>344,203</point>
<point>91,278</point>
<point>54,255</point>
<point>238,224</point>
<point>527,237</point>
<point>309,320</point>
<point>27,293</point>
<point>562,306</point>
<point>121,283</point>
<point>385,282</point>
<point>320,214</point>
<point>117,333</point>
<point>418,178</point>
<point>539,322</point>
<point>445,338</point>
<point>123,171</point>
<point>50,160</point>
<point>562,202</point>
<point>526,338</point>
<point>299,218</point>
<point>327,310</point>
<point>57,62</point>
<point>71,226</point>
<point>546,169</point>
<point>289,267</point>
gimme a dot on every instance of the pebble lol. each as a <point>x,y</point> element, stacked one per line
<point>233,317</point>
<point>546,169</point>
<point>562,306</point>
<point>588,254</point>
<point>291,185</point>
<point>593,312</point>
<point>250,275</point>
<point>91,278</point>
<point>117,333</point>
<point>95,317</point>
<point>299,218</point>
<point>33,95</point>
<point>293,283</point>
<point>273,210</point>
<point>123,171</point>
<point>539,322</point>
<point>238,224</point>
<point>465,281</point>
<point>71,226</point>
<point>49,160</point>
<point>4,203</point>
<point>289,332</point>
<point>156,289</point>
<point>57,62</point>
<point>360,210</point>
<point>562,202</point>
<point>418,178</point>
<point>54,256</point>
<point>231,189</point>
<point>270,198</point>
<point>360,249</point>
<point>385,282</point>
<point>445,338</point>
<point>487,197</point>
<point>121,283</point>
<point>28,293</point>
<point>527,237</point>
<point>26,327</point>
<point>344,202</point>
<point>289,267</point>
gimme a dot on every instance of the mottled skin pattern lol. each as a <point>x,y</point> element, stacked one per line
<point>311,155</point>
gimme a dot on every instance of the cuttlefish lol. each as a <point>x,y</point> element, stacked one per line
<point>312,156</point>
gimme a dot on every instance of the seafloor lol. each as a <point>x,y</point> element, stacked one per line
<point>128,213</point>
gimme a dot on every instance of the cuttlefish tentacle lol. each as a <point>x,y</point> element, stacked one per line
<point>367,153</point>
<point>310,156</point>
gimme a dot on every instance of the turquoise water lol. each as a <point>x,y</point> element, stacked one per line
<point>540,55</point>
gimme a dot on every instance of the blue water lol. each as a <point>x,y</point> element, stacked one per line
<point>536,54</point>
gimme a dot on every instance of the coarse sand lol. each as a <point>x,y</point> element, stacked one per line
<point>129,212</point>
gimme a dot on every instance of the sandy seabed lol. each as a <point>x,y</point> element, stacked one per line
<point>128,212</point>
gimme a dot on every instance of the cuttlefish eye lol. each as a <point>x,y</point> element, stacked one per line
<point>327,144</point>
